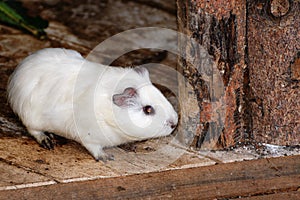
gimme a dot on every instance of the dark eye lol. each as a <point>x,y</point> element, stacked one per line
<point>148,110</point>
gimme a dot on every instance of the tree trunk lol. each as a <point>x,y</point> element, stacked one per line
<point>273,52</point>
<point>254,47</point>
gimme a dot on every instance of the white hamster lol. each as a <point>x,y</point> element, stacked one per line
<point>57,90</point>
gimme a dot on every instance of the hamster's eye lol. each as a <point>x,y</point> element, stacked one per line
<point>148,110</point>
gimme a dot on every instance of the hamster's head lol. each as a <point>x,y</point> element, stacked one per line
<point>142,111</point>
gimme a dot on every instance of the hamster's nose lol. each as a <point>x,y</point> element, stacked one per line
<point>172,124</point>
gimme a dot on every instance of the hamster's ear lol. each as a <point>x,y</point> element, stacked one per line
<point>126,99</point>
<point>142,71</point>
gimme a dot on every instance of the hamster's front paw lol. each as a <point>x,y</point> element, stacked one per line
<point>105,157</point>
<point>98,153</point>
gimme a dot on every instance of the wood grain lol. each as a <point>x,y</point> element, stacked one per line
<point>241,179</point>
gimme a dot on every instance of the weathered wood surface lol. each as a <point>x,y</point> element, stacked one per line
<point>293,195</point>
<point>255,46</point>
<point>219,27</point>
<point>277,177</point>
<point>273,60</point>
<point>169,5</point>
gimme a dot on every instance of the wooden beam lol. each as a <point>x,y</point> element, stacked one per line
<point>284,195</point>
<point>233,180</point>
<point>255,48</point>
<point>218,84</point>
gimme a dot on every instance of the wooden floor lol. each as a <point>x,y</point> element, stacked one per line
<point>270,178</point>
<point>28,171</point>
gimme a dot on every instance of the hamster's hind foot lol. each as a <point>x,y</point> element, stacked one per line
<point>44,140</point>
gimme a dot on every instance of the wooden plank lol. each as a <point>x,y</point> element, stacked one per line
<point>12,175</point>
<point>247,178</point>
<point>67,162</point>
<point>284,195</point>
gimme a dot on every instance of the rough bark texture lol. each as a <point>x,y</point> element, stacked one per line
<point>255,46</point>
<point>274,49</point>
<point>219,26</point>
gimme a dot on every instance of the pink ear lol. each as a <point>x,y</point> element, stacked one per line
<point>125,99</point>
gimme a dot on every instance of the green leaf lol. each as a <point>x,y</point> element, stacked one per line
<point>14,14</point>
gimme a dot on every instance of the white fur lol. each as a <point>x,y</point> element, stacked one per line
<point>57,90</point>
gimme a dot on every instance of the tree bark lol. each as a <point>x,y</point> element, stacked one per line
<point>274,51</point>
<point>255,48</point>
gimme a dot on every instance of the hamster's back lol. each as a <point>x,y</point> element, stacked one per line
<point>41,86</point>
<point>51,58</point>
